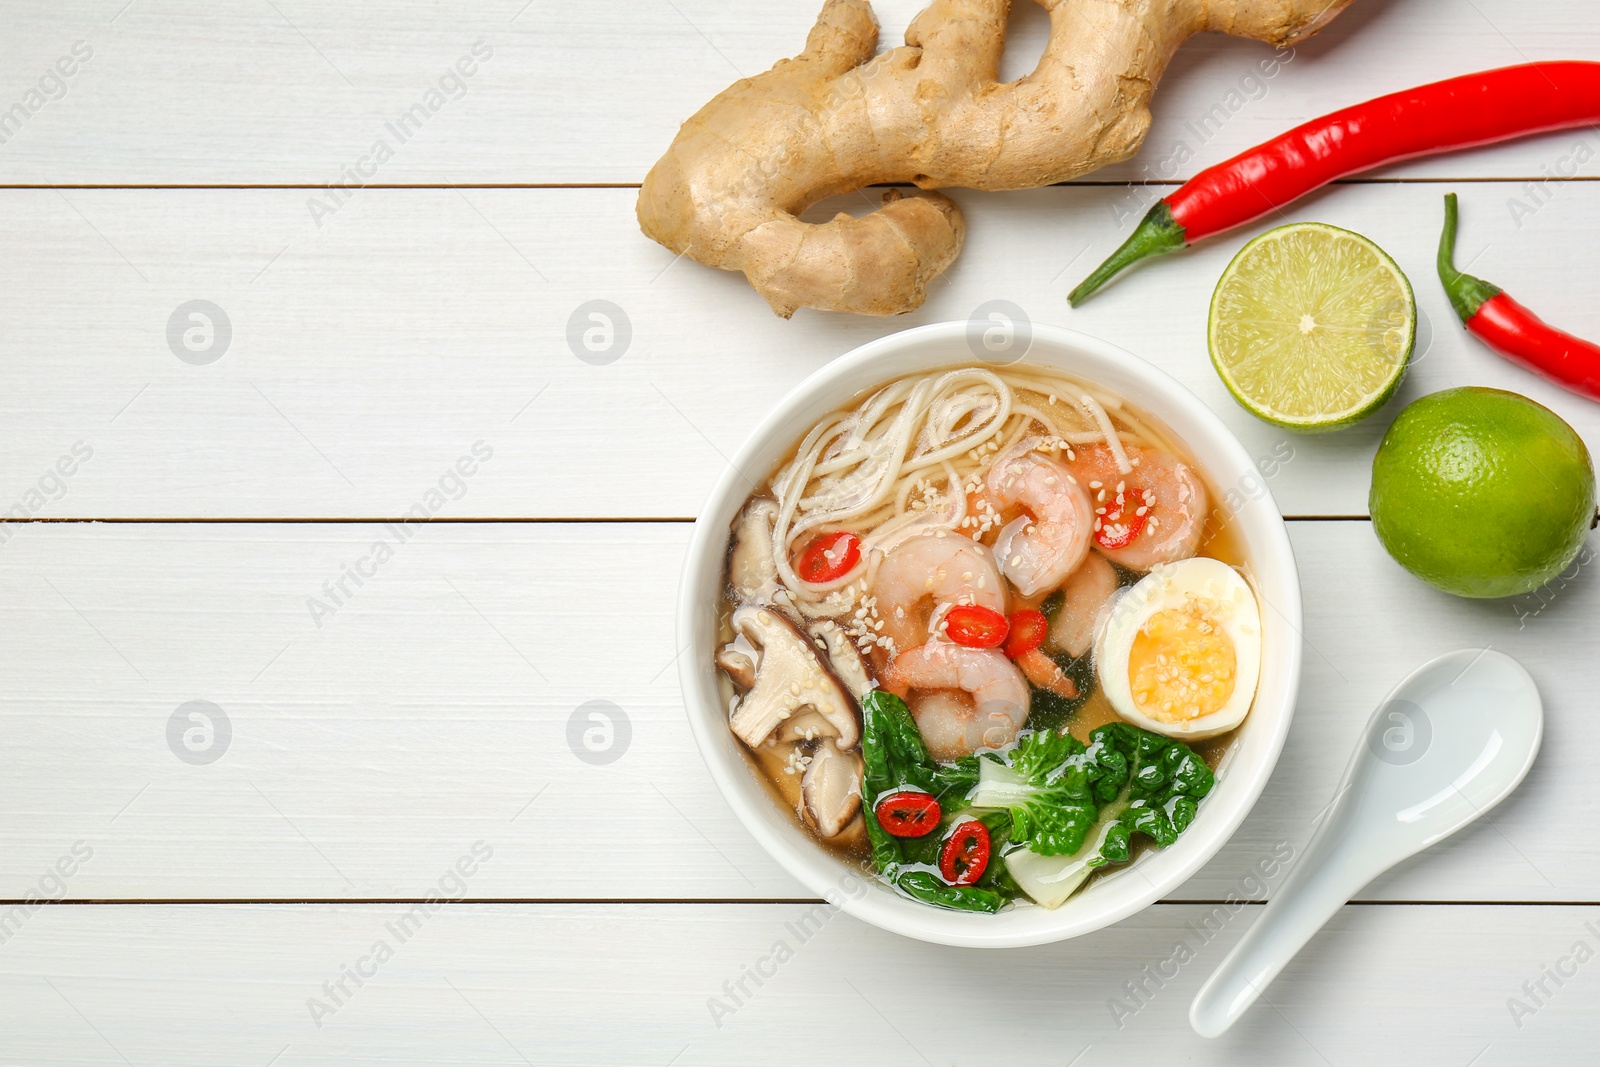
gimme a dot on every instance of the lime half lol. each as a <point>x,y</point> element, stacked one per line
<point>1311,327</point>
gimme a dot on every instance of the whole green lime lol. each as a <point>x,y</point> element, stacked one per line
<point>1482,492</point>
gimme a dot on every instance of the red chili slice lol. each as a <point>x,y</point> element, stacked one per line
<point>1122,522</point>
<point>908,813</point>
<point>975,627</point>
<point>830,556</point>
<point>965,854</point>
<point>1027,632</point>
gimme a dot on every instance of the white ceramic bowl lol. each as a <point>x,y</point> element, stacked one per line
<point>1249,763</point>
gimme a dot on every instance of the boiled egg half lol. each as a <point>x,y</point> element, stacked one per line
<point>1179,652</point>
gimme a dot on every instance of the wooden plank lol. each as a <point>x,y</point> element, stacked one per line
<point>434,705</point>
<point>366,357</point>
<point>553,984</point>
<point>172,93</point>
<point>422,716</point>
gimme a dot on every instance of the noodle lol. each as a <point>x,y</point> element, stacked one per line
<point>879,466</point>
<point>1093,407</point>
<point>854,464</point>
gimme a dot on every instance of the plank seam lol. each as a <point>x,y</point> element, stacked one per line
<point>453,521</point>
<point>1084,182</point>
<point>278,902</point>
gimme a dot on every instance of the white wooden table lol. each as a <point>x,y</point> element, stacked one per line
<point>408,740</point>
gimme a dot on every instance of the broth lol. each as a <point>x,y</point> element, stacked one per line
<point>1038,395</point>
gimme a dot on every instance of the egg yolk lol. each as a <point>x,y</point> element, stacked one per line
<point>1182,663</point>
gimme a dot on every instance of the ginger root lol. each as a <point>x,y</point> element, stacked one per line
<point>837,118</point>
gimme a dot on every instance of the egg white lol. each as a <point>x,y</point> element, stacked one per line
<point>1169,585</point>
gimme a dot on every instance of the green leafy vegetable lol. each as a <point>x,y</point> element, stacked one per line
<point>1053,790</point>
<point>997,877</point>
<point>1046,798</point>
<point>1168,781</point>
<point>895,757</point>
<point>1050,880</point>
<point>1045,754</point>
<point>1060,793</point>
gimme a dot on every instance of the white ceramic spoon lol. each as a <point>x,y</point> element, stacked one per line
<point>1449,743</point>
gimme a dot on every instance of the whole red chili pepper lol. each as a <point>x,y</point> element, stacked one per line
<point>1511,329</point>
<point>1474,109</point>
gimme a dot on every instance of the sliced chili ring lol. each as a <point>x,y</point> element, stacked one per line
<point>908,813</point>
<point>975,627</point>
<point>1026,633</point>
<point>829,557</point>
<point>965,854</point>
<point>1122,523</point>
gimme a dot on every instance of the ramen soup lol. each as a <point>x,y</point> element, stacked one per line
<point>986,633</point>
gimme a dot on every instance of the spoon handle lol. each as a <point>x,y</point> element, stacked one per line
<point>1327,876</point>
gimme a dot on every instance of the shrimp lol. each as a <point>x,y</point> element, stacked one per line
<point>1046,673</point>
<point>1039,549</point>
<point>965,698</point>
<point>942,567</point>
<point>1090,586</point>
<point>1156,513</point>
